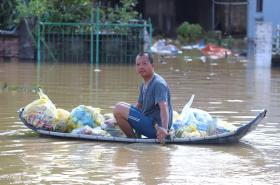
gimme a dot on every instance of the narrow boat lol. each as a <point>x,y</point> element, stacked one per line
<point>224,138</point>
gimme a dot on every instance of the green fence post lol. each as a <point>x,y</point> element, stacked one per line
<point>38,43</point>
<point>91,38</point>
<point>38,54</point>
<point>97,39</point>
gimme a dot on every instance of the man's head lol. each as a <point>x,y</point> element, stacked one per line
<point>145,65</point>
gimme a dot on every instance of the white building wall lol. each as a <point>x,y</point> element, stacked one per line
<point>270,13</point>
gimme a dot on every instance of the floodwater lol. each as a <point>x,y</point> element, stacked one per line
<point>233,90</point>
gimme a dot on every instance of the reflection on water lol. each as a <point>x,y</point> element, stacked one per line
<point>234,91</point>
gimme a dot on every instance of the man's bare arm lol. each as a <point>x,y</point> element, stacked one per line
<point>162,131</point>
<point>164,114</point>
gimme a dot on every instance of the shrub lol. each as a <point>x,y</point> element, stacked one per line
<point>215,37</point>
<point>188,33</point>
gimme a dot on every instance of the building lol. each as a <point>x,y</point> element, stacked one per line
<point>237,17</point>
<point>262,10</point>
<point>229,16</point>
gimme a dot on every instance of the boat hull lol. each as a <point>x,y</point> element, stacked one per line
<point>224,138</point>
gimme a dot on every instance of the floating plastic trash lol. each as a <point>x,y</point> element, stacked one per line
<point>215,52</point>
<point>161,48</point>
<point>198,46</point>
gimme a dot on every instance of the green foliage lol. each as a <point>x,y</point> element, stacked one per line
<point>33,8</point>
<point>228,42</point>
<point>55,10</point>
<point>11,11</point>
<point>69,10</point>
<point>215,37</point>
<point>188,33</point>
<point>75,10</point>
<point>7,14</point>
<point>122,13</point>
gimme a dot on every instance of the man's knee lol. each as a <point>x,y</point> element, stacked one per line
<point>121,109</point>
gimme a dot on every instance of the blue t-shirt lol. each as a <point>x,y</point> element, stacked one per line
<point>150,96</point>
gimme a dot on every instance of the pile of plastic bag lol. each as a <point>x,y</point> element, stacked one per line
<point>198,123</point>
<point>160,47</point>
<point>42,113</point>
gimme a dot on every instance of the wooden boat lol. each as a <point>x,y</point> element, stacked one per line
<point>224,138</point>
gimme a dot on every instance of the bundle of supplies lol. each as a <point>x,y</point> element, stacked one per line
<point>194,122</point>
<point>42,113</point>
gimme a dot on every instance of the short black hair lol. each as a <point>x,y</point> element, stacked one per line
<point>148,54</point>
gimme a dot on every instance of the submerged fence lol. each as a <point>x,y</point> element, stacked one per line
<point>92,42</point>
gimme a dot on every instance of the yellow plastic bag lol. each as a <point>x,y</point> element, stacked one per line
<point>188,131</point>
<point>175,116</point>
<point>41,112</point>
<point>97,116</point>
<point>60,121</point>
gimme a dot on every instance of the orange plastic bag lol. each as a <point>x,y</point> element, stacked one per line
<point>215,51</point>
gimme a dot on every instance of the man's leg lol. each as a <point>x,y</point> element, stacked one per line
<point>121,112</point>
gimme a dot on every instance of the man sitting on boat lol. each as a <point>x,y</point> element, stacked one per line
<point>152,115</point>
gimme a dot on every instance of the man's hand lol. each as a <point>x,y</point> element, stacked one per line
<point>161,134</point>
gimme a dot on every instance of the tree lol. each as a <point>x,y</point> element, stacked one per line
<point>7,14</point>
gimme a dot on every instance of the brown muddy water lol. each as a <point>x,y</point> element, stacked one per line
<point>233,90</point>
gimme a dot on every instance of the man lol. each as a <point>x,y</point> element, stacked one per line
<point>152,115</point>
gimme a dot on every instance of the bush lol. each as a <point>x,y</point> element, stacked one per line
<point>188,33</point>
<point>215,37</point>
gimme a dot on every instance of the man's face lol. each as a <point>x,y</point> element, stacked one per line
<point>143,67</point>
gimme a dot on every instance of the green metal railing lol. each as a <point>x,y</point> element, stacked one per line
<point>92,42</point>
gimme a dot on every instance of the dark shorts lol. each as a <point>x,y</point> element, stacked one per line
<point>140,123</point>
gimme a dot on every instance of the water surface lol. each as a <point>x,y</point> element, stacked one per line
<point>233,90</point>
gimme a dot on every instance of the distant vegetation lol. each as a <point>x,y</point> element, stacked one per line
<point>189,33</point>
<point>215,37</point>
<point>7,14</point>
<point>64,11</point>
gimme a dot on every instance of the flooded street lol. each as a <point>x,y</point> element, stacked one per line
<point>232,90</point>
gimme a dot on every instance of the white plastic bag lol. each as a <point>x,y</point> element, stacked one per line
<point>87,130</point>
<point>201,119</point>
